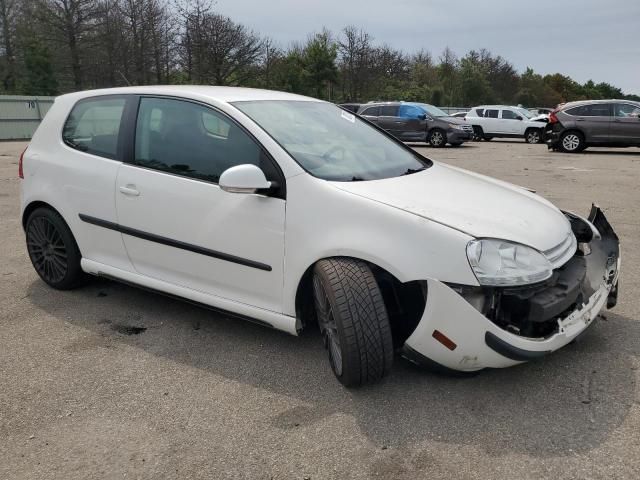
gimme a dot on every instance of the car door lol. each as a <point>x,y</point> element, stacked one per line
<point>509,122</point>
<point>413,122</point>
<point>90,155</point>
<point>594,120</point>
<point>179,226</point>
<point>625,127</point>
<point>389,120</point>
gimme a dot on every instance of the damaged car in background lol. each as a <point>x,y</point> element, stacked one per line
<point>290,211</point>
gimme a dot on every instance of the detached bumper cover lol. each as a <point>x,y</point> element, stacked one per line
<point>580,290</point>
<point>459,136</point>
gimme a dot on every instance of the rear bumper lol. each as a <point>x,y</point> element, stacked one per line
<point>551,136</point>
<point>480,341</point>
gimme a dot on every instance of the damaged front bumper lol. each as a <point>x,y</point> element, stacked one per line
<point>471,328</point>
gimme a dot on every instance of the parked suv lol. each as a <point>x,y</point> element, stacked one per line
<point>417,122</point>
<point>288,210</point>
<point>491,121</point>
<point>575,126</point>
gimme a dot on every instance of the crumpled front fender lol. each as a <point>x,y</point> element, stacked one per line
<point>454,335</point>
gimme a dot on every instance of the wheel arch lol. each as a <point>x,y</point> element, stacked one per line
<point>577,130</point>
<point>35,204</point>
<point>405,301</point>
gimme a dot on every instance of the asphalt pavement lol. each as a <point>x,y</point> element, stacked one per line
<point>109,381</point>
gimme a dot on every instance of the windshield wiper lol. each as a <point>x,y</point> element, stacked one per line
<point>413,170</point>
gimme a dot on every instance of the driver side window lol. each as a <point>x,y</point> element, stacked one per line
<point>192,140</point>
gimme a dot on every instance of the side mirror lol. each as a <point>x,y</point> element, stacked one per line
<point>422,116</point>
<point>243,179</point>
<point>518,117</point>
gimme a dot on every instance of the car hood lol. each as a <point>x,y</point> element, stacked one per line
<point>454,120</point>
<point>472,203</point>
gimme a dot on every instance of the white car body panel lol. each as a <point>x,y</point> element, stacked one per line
<point>500,215</point>
<point>416,227</point>
<point>501,126</point>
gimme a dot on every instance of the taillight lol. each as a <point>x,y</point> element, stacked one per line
<point>20,171</point>
<point>553,118</point>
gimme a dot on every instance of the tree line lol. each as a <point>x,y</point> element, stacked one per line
<point>48,47</point>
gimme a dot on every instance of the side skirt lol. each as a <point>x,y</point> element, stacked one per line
<point>243,311</point>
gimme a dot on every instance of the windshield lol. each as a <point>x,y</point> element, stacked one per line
<point>526,113</point>
<point>331,143</point>
<point>432,111</point>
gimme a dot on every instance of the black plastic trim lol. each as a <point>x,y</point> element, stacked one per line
<point>174,243</point>
<point>505,349</point>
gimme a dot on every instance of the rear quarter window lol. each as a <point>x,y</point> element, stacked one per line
<point>593,110</point>
<point>371,111</point>
<point>93,126</point>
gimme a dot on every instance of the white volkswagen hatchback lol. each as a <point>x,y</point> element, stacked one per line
<point>288,210</point>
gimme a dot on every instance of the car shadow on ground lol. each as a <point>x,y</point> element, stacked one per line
<point>569,401</point>
<point>635,152</point>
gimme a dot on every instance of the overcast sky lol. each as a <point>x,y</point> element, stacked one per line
<point>586,39</point>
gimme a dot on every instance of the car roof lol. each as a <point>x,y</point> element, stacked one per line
<point>220,94</point>
<point>498,106</point>
<point>589,102</point>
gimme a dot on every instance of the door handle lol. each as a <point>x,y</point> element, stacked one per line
<point>579,119</point>
<point>130,190</point>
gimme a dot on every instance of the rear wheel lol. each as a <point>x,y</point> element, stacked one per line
<point>572,142</point>
<point>353,321</point>
<point>53,250</point>
<point>437,138</point>
<point>533,135</point>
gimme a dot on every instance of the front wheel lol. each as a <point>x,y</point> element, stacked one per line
<point>53,250</point>
<point>437,138</point>
<point>353,321</point>
<point>533,135</point>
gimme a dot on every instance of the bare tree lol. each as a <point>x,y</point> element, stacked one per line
<point>356,61</point>
<point>73,21</point>
<point>8,20</point>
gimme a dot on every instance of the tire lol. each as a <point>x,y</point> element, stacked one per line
<point>487,138</point>
<point>533,135</point>
<point>478,133</point>
<point>353,321</point>
<point>53,251</point>
<point>437,138</point>
<point>572,142</point>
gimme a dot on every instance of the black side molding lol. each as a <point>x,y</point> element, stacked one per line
<point>173,243</point>
<point>505,349</point>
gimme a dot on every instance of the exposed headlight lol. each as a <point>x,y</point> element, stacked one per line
<point>501,263</point>
<point>456,126</point>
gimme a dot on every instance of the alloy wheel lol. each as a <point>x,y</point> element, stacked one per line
<point>328,326</point>
<point>571,142</point>
<point>436,138</point>
<point>533,137</point>
<point>47,249</point>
